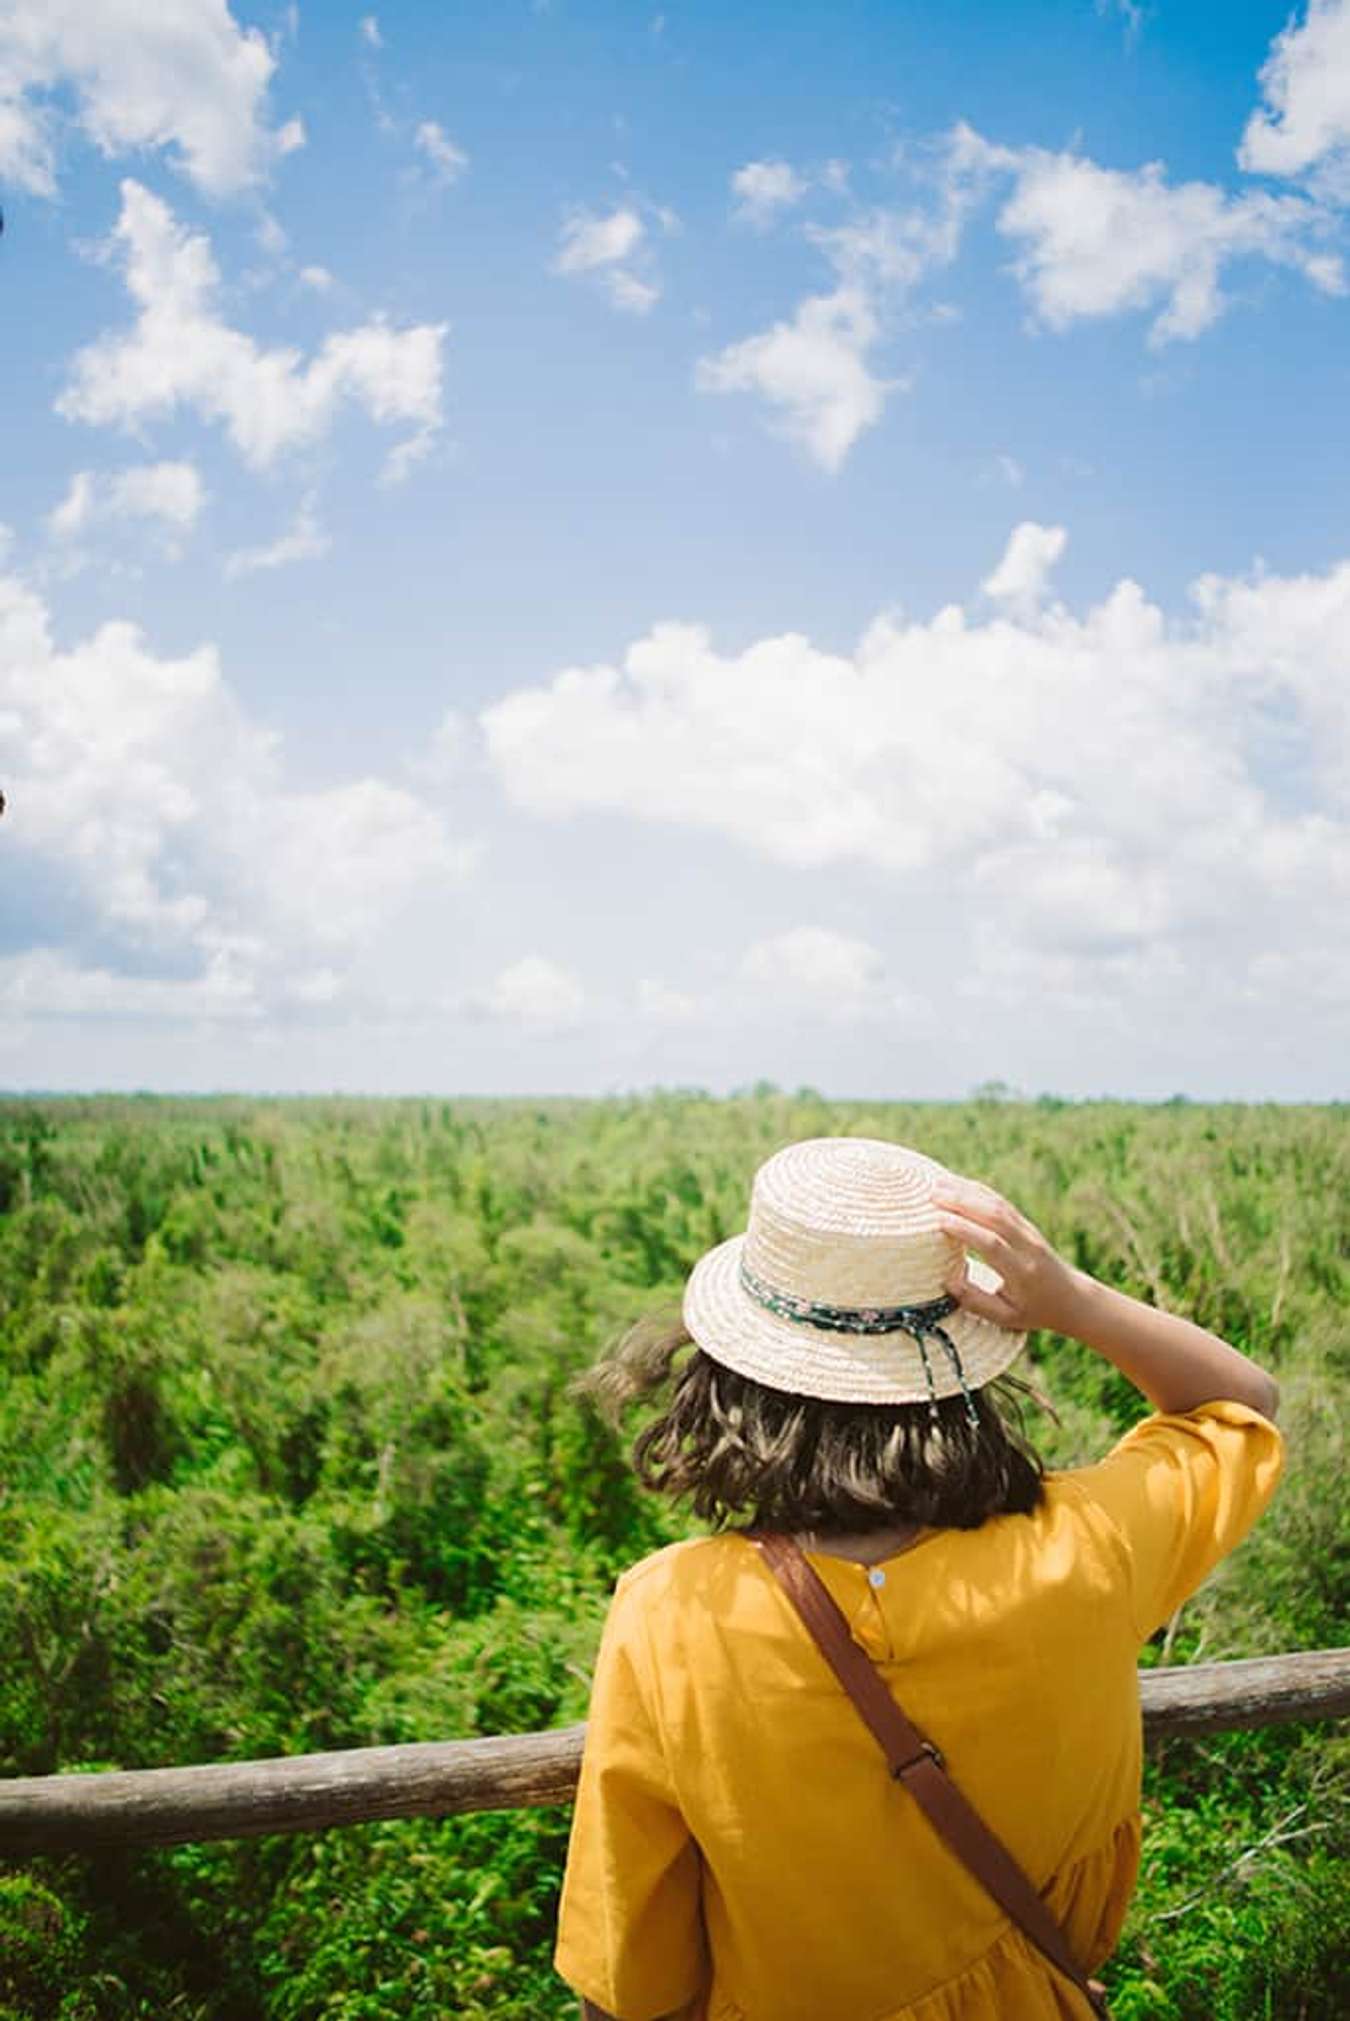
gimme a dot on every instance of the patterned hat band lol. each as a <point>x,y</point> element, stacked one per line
<point>916,1320</point>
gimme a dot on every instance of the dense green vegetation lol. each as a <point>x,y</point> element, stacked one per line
<point>286,1462</point>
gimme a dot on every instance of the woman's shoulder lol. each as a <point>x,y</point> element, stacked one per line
<point>676,1568</point>
<point>1220,1439</point>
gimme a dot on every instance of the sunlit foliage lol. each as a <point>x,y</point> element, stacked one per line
<point>288,1463</point>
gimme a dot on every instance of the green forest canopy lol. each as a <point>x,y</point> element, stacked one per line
<point>289,1463</point>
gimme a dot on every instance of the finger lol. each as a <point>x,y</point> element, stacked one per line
<point>984,1241</point>
<point>987,1304</point>
<point>975,1200</point>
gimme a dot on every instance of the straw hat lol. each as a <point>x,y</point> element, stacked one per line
<point>836,1289</point>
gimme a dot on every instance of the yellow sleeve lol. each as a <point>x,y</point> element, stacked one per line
<point>1183,1488</point>
<point>630,1922</point>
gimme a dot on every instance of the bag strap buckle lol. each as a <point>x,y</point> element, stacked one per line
<point>934,1754</point>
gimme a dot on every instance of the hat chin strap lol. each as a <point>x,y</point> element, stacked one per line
<point>919,1321</point>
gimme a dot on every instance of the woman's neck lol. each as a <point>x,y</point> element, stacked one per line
<point>862,1547</point>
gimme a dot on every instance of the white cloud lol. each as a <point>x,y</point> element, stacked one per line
<point>818,973</point>
<point>895,249</point>
<point>1091,242</point>
<point>153,814</point>
<point>764,190</point>
<point>170,493</point>
<point>536,992</point>
<point>180,74</point>
<point>1080,897</point>
<point>271,236</point>
<point>1113,795</point>
<point>1284,628</point>
<point>303,540</point>
<point>26,156</point>
<point>370,32</point>
<point>317,278</point>
<point>589,241</point>
<point>815,961</point>
<point>627,291</point>
<point>812,372</point>
<point>180,354</point>
<point>343,856</point>
<point>447,161</point>
<point>1305,82</point>
<point>1098,242</point>
<point>599,246</point>
<point>46,983</point>
<point>1021,575</point>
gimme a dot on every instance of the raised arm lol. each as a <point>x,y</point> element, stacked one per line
<point>1175,1363</point>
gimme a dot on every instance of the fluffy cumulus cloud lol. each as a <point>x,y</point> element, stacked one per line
<point>168,494</point>
<point>812,371</point>
<point>610,248</point>
<point>1108,800</point>
<point>819,975</point>
<point>817,964</point>
<point>157,856</point>
<point>1089,242</point>
<point>589,241</point>
<point>1305,83</point>
<point>1021,576</point>
<point>815,959</point>
<point>536,993</point>
<point>1094,242</point>
<point>47,983</point>
<point>181,355</point>
<point>182,75</point>
<point>764,190</point>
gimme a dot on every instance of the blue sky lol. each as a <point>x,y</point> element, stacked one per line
<point>570,547</point>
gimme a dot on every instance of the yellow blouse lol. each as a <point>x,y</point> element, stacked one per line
<point>737,1846</point>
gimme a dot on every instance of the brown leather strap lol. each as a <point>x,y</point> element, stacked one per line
<point>914,1760</point>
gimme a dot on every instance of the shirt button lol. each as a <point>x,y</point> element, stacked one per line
<point>876,1577</point>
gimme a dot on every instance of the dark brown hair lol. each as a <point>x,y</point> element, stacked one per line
<point>735,1447</point>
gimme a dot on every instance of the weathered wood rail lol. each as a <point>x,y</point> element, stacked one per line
<point>311,1792</point>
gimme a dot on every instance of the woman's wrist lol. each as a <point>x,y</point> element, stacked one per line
<point>1072,1309</point>
<point>1093,1311</point>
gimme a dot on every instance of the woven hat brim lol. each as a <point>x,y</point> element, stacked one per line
<point>789,1354</point>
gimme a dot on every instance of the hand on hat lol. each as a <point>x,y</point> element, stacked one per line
<point>1039,1289</point>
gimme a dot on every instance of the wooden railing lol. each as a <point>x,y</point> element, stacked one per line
<point>310,1792</point>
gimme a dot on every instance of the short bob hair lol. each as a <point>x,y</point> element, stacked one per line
<point>736,1448</point>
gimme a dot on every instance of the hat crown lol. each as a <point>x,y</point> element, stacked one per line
<point>849,1221</point>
